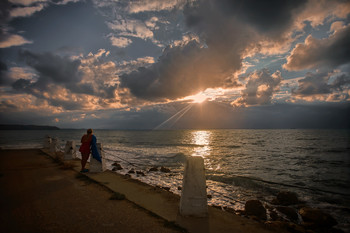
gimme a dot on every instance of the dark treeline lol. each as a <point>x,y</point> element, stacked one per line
<point>28,127</point>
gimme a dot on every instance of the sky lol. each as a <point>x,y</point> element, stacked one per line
<point>175,64</point>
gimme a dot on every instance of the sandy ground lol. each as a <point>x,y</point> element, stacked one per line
<point>37,196</point>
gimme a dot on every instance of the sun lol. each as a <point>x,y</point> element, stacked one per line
<point>198,98</point>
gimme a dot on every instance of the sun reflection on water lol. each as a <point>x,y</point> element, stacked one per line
<point>202,140</point>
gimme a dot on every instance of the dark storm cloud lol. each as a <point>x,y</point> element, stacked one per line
<point>5,7</point>
<point>271,16</point>
<point>226,30</point>
<point>4,78</point>
<point>53,68</point>
<point>58,74</point>
<point>321,83</point>
<point>180,70</point>
<point>314,53</point>
<point>260,87</point>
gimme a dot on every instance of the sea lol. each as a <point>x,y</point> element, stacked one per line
<point>240,164</point>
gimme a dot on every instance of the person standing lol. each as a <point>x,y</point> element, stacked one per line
<point>88,145</point>
<point>85,149</point>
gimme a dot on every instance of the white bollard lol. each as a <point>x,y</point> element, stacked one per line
<point>193,200</point>
<point>47,142</point>
<point>70,150</point>
<point>54,145</point>
<point>96,166</point>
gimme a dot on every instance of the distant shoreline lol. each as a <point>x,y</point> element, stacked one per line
<point>28,127</point>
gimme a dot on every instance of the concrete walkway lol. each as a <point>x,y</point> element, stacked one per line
<point>37,195</point>
<point>166,205</point>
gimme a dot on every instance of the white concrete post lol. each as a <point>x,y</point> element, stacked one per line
<point>70,150</point>
<point>96,166</point>
<point>47,142</point>
<point>53,145</point>
<point>193,200</point>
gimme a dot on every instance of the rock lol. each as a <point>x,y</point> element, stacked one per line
<point>140,173</point>
<point>255,208</point>
<point>287,198</point>
<point>153,169</point>
<point>209,196</point>
<point>131,171</point>
<point>274,216</point>
<point>166,188</point>
<point>240,212</point>
<point>117,166</point>
<point>179,188</point>
<point>317,218</point>
<point>289,212</point>
<point>164,169</point>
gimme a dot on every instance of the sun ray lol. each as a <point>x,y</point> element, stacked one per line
<point>177,116</point>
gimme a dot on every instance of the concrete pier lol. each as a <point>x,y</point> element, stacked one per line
<point>70,150</point>
<point>54,145</point>
<point>193,200</point>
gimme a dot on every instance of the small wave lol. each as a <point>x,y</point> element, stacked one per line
<point>244,182</point>
<point>307,139</point>
<point>232,146</point>
<point>179,157</point>
<point>336,150</point>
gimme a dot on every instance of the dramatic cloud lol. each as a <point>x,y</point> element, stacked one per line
<point>316,12</point>
<point>120,42</point>
<point>83,83</point>
<point>13,40</point>
<point>26,11</point>
<point>332,51</point>
<point>137,63</point>
<point>4,77</point>
<point>227,30</point>
<point>260,87</point>
<point>181,70</point>
<point>134,28</point>
<point>52,68</point>
<point>321,84</point>
<point>153,5</point>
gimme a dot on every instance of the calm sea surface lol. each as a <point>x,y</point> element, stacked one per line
<point>240,164</point>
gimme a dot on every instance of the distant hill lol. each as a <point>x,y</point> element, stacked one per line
<point>27,127</point>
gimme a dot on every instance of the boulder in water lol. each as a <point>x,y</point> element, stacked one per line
<point>153,169</point>
<point>164,169</point>
<point>317,218</point>
<point>287,198</point>
<point>131,171</point>
<point>140,173</point>
<point>255,208</point>
<point>117,166</point>
<point>289,212</point>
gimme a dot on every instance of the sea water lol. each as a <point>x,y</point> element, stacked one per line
<point>240,164</point>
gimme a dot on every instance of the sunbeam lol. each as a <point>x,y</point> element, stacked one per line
<point>177,116</point>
